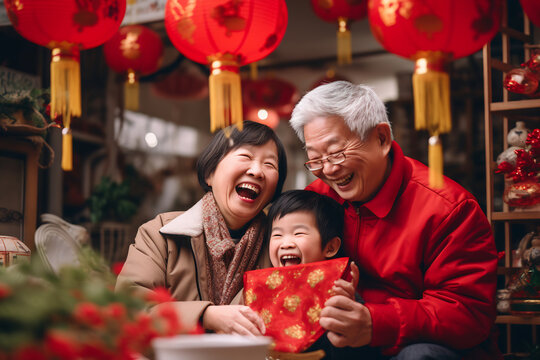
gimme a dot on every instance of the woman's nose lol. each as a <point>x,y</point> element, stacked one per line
<point>255,169</point>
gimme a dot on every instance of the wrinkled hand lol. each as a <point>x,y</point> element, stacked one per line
<point>346,288</point>
<point>348,322</point>
<point>233,319</point>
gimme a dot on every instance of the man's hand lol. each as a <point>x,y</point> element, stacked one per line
<point>348,322</point>
<point>233,319</point>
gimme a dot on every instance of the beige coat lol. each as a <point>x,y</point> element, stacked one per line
<point>169,251</point>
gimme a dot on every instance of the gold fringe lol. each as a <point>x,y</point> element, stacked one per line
<point>253,71</point>
<point>344,48</point>
<point>225,99</point>
<point>67,149</point>
<point>66,95</point>
<point>131,92</point>
<point>435,159</point>
<point>431,89</point>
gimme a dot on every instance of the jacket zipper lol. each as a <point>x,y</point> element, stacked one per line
<point>196,270</point>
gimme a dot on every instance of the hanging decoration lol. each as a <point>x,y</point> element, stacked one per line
<point>133,50</point>
<point>342,12</point>
<point>525,79</point>
<point>66,27</point>
<point>532,10</point>
<point>225,34</point>
<point>432,33</point>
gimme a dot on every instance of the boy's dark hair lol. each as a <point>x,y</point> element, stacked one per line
<point>329,214</point>
<point>220,145</point>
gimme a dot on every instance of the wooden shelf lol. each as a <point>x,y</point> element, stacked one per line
<point>518,320</point>
<point>515,215</point>
<point>517,105</point>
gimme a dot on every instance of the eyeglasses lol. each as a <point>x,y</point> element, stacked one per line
<point>335,159</point>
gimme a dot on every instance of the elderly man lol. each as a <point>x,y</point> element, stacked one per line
<point>427,257</point>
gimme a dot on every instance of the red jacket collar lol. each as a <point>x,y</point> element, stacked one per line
<point>383,201</point>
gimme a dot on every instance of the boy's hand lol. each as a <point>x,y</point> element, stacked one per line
<point>346,288</point>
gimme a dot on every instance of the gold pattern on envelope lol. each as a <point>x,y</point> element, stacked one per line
<point>315,277</point>
<point>274,280</point>
<point>295,331</point>
<point>298,273</point>
<point>250,297</point>
<point>291,302</point>
<point>314,314</point>
<point>266,316</point>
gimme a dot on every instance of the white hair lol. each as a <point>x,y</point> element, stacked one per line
<point>357,105</point>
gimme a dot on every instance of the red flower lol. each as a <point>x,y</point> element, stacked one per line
<point>159,295</point>
<point>170,316</point>
<point>5,290</point>
<point>95,351</point>
<point>114,311</point>
<point>30,352</point>
<point>61,346</point>
<point>88,313</point>
<point>117,267</point>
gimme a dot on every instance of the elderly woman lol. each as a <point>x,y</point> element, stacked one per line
<point>200,255</point>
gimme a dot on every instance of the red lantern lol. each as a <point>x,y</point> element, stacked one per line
<point>183,83</point>
<point>66,27</point>
<point>532,9</point>
<point>329,77</point>
<point>225,34</point>
<point>268,99</point>
<point>342,12</point>
<point>134,50</point>
<point>433,32</point>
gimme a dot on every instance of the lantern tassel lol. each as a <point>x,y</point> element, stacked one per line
<point>435,160</point>
<point>344,48</point>
<point>225,96</point>
<point>431,90</point>
<point>66,96</point>
<point>131,91</point>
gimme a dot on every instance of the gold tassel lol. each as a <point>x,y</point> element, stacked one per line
<point>131,91</point>
<point>435,159</point>
<point>431,90</point>
<point>225,94</point>
<point>344,49</point>
<point>253,71</point>
<point>66,95</point>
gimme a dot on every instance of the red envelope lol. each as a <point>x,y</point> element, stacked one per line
<point>290,299</point>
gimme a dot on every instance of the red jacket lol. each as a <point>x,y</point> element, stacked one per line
<point>427,260</point>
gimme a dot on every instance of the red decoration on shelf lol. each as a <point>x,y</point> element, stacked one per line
<point>521,81</point>
<point>432,33</point>
<point>133,50</point>
<point>342,12</point>
<point>225,34</point>
<point>532,9</point>
<point>66,27</point>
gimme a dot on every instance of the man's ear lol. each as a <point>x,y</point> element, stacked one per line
<point>384,137</point>
<point>332,247</point>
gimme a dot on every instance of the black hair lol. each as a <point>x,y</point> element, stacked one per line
<point>252,134</point>
<point>329,214</point>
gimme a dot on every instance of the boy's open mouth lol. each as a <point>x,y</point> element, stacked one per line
<point>288,260</point>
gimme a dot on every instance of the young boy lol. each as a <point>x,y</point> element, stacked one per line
<point>305,227</point>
